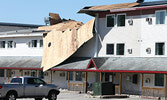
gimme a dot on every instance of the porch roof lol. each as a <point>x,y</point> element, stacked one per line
<point>133,64</point>
<point>20,62</point>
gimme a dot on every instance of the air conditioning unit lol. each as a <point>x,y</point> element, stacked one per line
<point>149,20</point>
<point>130,22</point>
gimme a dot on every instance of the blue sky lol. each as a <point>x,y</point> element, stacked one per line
<point>34,11</point>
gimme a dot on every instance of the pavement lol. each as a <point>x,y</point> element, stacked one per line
<point>73,95</point>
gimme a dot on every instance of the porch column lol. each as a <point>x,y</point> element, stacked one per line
<point>50,76</point>
<point>141,83</point>
<point>68,73</point>
<point>86,79</point>
<point>120,83</point>
<point>100,76</point>
<point>21,72</point>
<point>8,75</point>
<point>165,84</point>
<point>36,73</point>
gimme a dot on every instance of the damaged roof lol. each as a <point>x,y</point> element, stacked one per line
<point>92,10</point>
<point>63,26</point>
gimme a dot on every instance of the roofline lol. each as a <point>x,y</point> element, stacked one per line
<point>19,24</point>
<point>88,11</point>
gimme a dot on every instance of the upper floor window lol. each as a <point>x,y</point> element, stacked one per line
<point>11,44</point>
<point>120,20</point>
<point>160,17</point>
<point>159,48</point>
<point>110,20</point>
<point>33,43</point>
<point>110,49</point>
<point>41,43</point>
<point>2,44</point>
<point>120,49</point>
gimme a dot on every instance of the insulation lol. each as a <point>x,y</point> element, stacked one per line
<point>63,40</point>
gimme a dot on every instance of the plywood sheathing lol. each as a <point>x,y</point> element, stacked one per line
<point>54,18</point>
<point>115,6</point>
<point>62,26</point>
<point>65,40</point>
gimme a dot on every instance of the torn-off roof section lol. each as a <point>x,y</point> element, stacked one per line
<point>92,10</point>
<point>70,24</point>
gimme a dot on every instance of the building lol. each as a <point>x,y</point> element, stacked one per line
<point>21,48</point>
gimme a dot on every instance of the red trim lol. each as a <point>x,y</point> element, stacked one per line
<point>17,68</point>
<point>91,61</point>
<point>88,70</point>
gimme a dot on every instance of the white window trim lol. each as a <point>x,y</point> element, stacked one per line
<point>117,19</point>
<point>156,18</point>
<point>114,20</point>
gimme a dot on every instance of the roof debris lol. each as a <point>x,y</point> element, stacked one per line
<point>63,39</point>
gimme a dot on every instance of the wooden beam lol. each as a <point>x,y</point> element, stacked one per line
<point>86,79</point>
<point>100,76</point>
<point>36,73</point>
<point>8,75</point>
<point>120,83</point>
<point>50,76</point>
<point>141,83</point>
<point>68,73</point>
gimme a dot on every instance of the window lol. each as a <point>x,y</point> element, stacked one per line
<point>135,78</point>
<point>160,17</point>
<point>40,74</point>
<point>78,76</point>
<point>33,43</point>
<point>159,79</point>
<point>16,80</point>
<point>11,44</point>
<point>110,20</point>
<point>110,49</point>
<point>2,71</point>
<point>33,73</point>
<point>35,81</point>
<point>159,48</point>
<point>41,43</point>
<point>121,20</point>
<point>2,44</point>
<point>120,49</point>
<point>70,77</point>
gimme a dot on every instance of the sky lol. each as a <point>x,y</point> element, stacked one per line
<point>34,11</point>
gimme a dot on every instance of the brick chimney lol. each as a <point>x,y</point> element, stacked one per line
<point>54,18</point>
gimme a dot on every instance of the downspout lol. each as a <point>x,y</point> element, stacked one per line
<point>96,34</point>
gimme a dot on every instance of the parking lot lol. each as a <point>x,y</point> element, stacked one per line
<point>71,95</point>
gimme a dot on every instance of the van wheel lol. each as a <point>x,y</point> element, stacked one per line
<point>11,96</point>
<point>52,96</point>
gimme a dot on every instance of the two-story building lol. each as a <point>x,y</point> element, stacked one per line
<point>128,49</point>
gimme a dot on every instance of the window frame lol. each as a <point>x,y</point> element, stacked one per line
<point>107,20</point>
<point>41,46</point>
<point>117,19</point>
<point>156,16</point>
<point>113,48</point>
<point>156,49</point>
<point>78,78</point>
<point>119,50</point>
<point>3,44</point>
<point>155,81</point>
